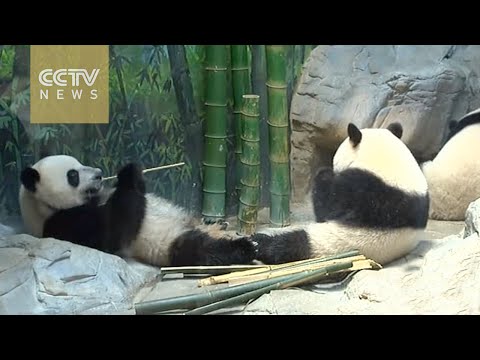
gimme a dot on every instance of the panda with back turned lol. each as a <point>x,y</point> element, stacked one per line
<point>374,200</point>
<point>453,176</point>
<point>63,199</point>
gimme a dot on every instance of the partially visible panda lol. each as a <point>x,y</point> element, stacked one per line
<point>374,200</point>
<point>453,176</point>
<point>61,198</point>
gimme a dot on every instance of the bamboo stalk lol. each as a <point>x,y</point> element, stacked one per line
<point>210,270</point>
<point>278,135</point>
<point>241,86</point>
<point>215,150</point>
<point>151,169</point>
<point>283,283</point>
<point>250,160</point>
<point>227,277</point>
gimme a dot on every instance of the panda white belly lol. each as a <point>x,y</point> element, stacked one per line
<point>162,224</point>
<point>454,175</point>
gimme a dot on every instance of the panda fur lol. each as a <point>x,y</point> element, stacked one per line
<point>453,176</point>
<point>374,200</point>
<point>63,199</point>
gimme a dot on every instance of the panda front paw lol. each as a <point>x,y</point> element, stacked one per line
<point>130,177</point>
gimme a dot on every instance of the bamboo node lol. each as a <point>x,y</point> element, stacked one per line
<point>213,165</point>
<point>277,125</point>
<point>216,68</point>
<point>249,115</point>
<point>215,105</point>
<point>215,136</point>
<point>276,86</point>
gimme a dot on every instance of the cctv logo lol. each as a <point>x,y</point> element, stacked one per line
<point>74,74</point>
<point>69,84</point>
<point>48,77</point>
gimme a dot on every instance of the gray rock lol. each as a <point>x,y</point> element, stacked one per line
<point>6,230</point>
<point>422,87</point>
<point>48,276</point>
<point>472,219</point>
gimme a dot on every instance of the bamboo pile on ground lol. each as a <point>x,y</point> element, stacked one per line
<point>265,279</point>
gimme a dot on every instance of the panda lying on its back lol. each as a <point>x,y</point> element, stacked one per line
<point>453,176</point>
<point>63,199</point>
<point>375,200</point>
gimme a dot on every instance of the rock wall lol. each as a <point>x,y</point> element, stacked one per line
<point>420,86</point>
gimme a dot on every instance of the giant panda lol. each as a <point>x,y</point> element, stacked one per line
<point>374,200</point>
<point>453,176</point>
<point>63,199</point>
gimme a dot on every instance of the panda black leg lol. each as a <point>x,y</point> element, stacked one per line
<point>283,247</point>
<point>130,177</point>
<point>197,248</point>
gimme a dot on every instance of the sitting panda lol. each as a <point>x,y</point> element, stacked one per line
<point>374,200</point>
<point>453,176</point>
<point>63,199</point>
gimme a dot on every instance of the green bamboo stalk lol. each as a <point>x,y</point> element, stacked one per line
<point>241,86</point>
<point>282,283</point>
<point>278,138</point>
<point>215,150</point>
<point>250,160</point>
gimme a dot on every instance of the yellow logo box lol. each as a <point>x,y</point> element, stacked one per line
<point>69,84</point>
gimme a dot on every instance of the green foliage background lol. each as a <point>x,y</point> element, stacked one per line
<point>144,126</point>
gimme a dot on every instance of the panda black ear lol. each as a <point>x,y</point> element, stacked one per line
<point>29,178</point>
<point>396,129</point>
<point>354,134</point>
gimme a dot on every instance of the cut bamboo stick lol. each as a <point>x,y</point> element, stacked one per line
<point>225,278</point>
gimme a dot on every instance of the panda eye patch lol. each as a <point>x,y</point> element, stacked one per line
<point>73,178</point>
